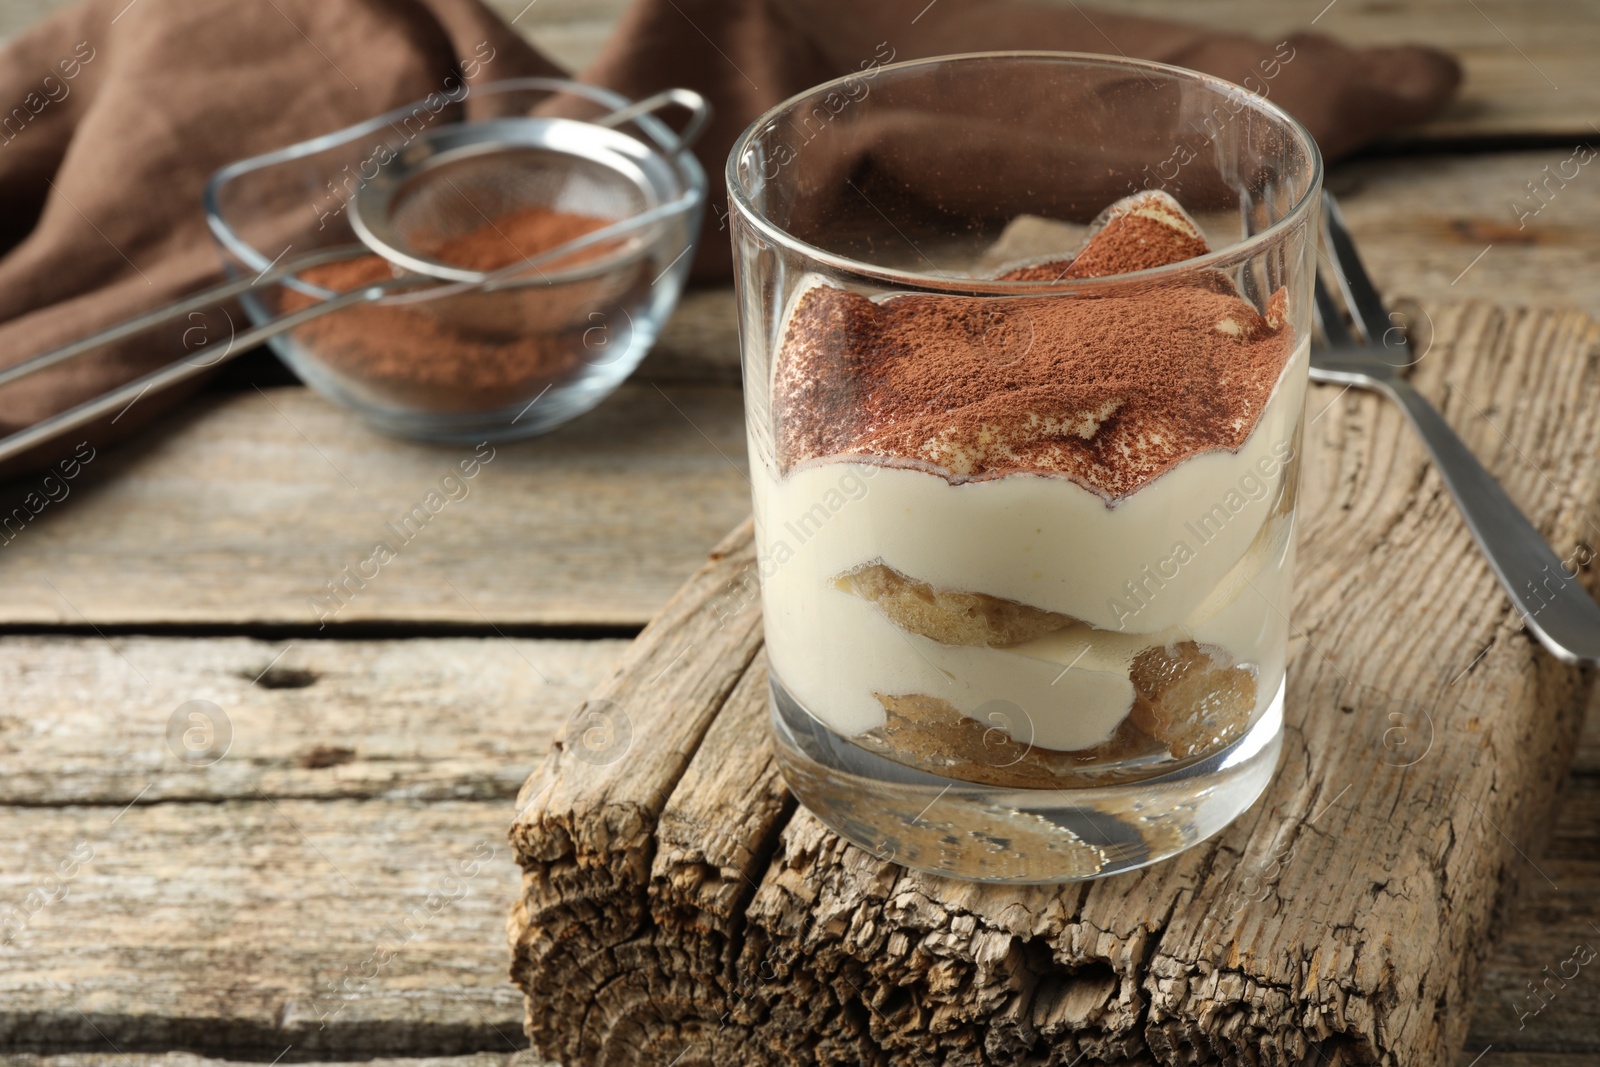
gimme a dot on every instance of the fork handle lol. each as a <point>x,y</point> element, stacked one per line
<point>1544,590</point>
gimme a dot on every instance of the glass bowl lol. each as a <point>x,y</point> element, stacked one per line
<point>493,364</point>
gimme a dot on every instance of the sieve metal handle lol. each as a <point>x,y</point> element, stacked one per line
<point>124,396</point>
<point>699,117</point>
<point>194,302</point>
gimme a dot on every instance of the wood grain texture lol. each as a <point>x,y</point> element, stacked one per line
<point>335,882</point>
<point>240,927</point>
<point>582,862</point>
<point>1519,1005</point>
<point>200,916</point>
<point>86,721</point>
<point>248,509</point>
<point>1422,224</point>
<point>1343,916</point>
<point>527,1058</point>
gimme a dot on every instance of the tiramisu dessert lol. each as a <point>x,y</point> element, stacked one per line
<point>1035,540</point>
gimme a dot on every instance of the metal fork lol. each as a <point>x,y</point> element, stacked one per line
<point>1553,605</point>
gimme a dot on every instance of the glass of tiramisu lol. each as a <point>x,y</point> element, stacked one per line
<point>1024,341</point>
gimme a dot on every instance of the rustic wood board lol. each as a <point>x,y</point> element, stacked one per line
<point>1557,911</point>
<point>1459,226</point>
<point>85,720</point>
<point>240,927</point>
<point>674,905</point>
<point>528,1058</point>
<point>366,749</point>
<point>221,907</point>
<point>245,508</point>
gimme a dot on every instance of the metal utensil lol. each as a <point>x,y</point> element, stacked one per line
<point>1553,605</point>
<point>416,199</point>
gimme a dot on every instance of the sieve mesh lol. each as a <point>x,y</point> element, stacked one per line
<point>463,194</point>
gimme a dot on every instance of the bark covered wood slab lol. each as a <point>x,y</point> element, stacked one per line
<point>676,907</point>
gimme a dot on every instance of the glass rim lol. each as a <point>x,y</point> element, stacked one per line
<point>1245,249</point>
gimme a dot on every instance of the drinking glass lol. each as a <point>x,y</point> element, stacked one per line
<point>1024,537</point>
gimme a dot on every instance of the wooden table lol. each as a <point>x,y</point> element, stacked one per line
<point>334,888</point>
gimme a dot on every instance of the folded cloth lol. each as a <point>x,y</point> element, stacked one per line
<point>119,112</point>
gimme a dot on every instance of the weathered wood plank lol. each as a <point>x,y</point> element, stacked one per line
<point>527,1058</point>
<point>336,882</point>
<point>238,928</point>
<point>700,343</point>
<point>1423,223</point>
<point>1557,911</point>
<point>168,928</point>
<point>18,15</point>
<point>1383,866</point>
<point>580,873</point>
<point>248,507</point>
<point>1538,994</point>
<point>1477,1056</point>
<point>87,720</point>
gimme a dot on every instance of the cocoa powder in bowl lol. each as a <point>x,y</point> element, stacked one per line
<point>476,351</point>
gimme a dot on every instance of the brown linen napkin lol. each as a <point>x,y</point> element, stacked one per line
<point>119,112</point>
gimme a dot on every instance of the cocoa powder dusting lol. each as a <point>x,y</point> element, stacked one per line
<point>1109,391</point>
<point>460,353</point>
<point>1142,231</point>
<point>511,237</point>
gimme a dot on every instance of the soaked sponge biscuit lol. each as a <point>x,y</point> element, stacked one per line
<point>932,735</point>
<point>1191,697</point>
<point>947,617</point>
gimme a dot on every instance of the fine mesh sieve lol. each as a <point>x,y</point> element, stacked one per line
<point>457,196</point>
<point>445,183</point>
<point>463,178</point>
